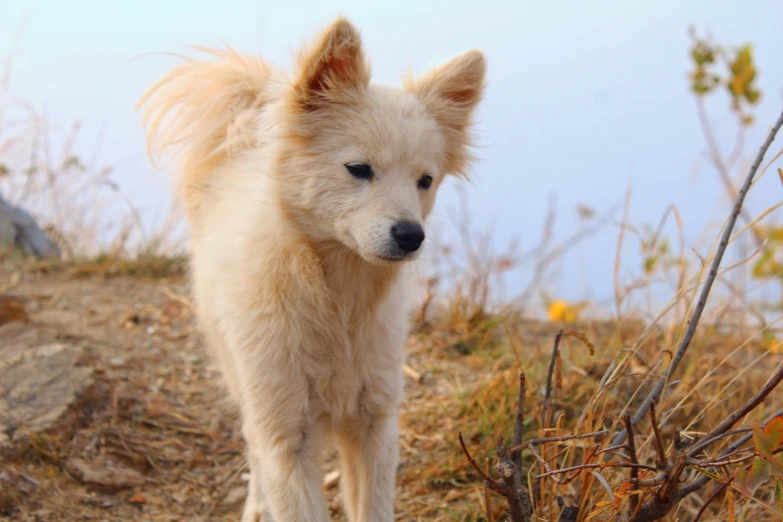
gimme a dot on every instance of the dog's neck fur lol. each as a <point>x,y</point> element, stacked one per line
<point>367,283</point>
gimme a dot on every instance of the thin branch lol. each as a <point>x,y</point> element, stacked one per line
<point>746,408</point>
<point>548,393</point>
<point>699,482</point>
<point>492,483</point>
<point>519,427</point>
<point>696,448</point>
<point>613,448</point>
<point>565,438</point>
<point>551,473</point>
<point>723,167</point>
<point>658,439</point>
<point>719,463</point>
<point>693,322</point>
<point>634,474</point>
<point>712,497</point>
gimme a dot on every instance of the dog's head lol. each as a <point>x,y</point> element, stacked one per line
<point>363,162</point>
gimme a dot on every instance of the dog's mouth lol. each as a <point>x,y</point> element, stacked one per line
<point>392,259</point>
<point>396,256</point>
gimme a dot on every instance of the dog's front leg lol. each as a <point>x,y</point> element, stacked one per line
<point>282,441</point>
<point>369,455</point>
<point>286,464</point>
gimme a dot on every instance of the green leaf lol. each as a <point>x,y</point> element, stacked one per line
<point>748,481</point>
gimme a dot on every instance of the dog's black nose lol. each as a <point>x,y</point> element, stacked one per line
<point>408,236</point>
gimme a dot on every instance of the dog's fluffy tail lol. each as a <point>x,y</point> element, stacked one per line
<point>201,112</point>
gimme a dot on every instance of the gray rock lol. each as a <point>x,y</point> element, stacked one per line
<point>18,227</point>
<point>40,381</point>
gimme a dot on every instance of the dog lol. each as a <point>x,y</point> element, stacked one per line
<point>306,196</point>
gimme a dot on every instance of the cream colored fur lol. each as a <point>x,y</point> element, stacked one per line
<point>295,291</point>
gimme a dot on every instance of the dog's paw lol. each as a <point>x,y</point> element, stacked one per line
<point>255,512</point>
<point>252,514</point>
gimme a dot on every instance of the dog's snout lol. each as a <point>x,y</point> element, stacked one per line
<point>408,236</point>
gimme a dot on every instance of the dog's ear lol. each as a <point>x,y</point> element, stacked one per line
<point>333,69</point>
<point>451,93</point>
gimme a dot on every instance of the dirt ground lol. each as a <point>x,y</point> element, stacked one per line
<point>154,440</point>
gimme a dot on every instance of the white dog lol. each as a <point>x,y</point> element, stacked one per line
<point>304,196</point>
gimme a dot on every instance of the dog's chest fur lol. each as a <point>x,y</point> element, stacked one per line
<point>367,321</point>
<point>321,320</point>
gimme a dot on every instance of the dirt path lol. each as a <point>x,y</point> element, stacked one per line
<point>154,440</point>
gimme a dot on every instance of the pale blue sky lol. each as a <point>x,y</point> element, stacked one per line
<point>584,98</point>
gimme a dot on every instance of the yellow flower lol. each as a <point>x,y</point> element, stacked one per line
<point>561,311</point>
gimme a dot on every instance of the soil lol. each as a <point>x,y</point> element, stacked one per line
<point>145,434</point>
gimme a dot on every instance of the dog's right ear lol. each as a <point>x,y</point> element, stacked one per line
<point>451,93</point>
<point>333,69</point>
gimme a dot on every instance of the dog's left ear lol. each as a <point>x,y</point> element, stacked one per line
<point>451,93</point>
<point>332,70</point>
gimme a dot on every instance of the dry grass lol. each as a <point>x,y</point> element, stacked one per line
<point>157,411</point>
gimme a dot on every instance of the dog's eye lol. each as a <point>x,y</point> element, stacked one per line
<point>359,170</point>
<point>425,182</point>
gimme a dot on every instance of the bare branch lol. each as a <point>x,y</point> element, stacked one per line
<point>519,427</point>
<point>492,483</point>
<point>548,393</point>
<point>693,322</point>
<point>699,483</point>
<point>724,167</point>
<point>552,473</point>
<point>658,439</point>
<point>719,463</point>
<point>746,408</point>
<point>565,438</point>
<point>634,474</point>
<point>696,448</point>
<point>712,497</point>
